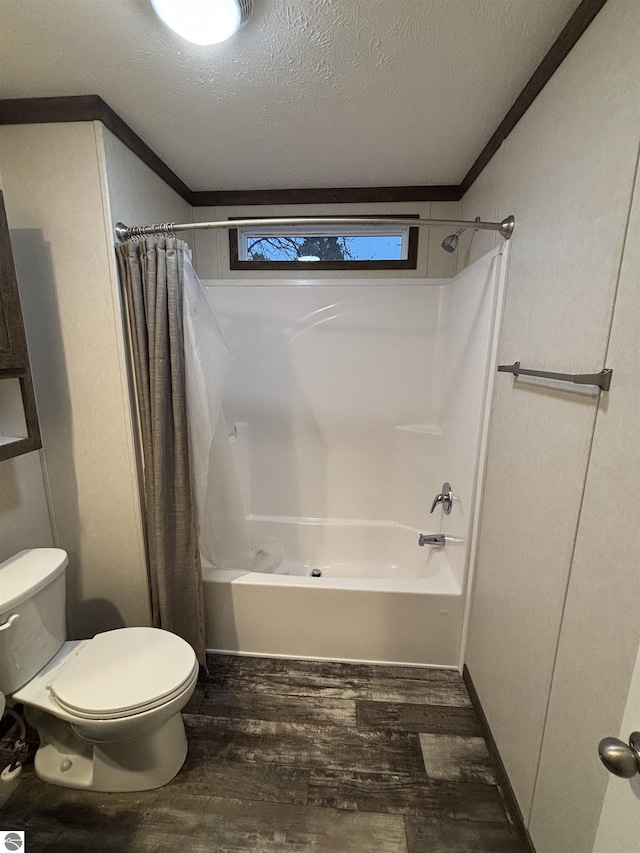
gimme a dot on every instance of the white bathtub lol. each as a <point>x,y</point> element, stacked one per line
<point>380,598</point>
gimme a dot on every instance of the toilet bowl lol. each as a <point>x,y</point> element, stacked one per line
<point>107,710</point>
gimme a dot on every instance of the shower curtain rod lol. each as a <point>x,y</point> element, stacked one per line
<point>124,232</point>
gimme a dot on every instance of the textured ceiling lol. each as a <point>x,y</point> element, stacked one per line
<point>310,93</point>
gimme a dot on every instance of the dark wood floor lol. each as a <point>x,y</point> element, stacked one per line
<point>297,756</point>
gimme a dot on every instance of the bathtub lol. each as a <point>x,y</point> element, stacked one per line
<point>380,598</point>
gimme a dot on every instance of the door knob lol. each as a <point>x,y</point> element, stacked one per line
<point>619,758</point>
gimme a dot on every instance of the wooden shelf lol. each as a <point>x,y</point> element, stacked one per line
<point>10,439</point>
<point>14,357</point>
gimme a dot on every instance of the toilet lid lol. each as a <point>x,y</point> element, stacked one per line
<point>122,672</point>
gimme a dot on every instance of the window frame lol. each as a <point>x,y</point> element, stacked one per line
<point>410,263</point>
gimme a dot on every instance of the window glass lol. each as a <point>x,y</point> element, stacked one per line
<point>326,247</point>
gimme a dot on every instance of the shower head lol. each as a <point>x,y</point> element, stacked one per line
<point>450,243</point>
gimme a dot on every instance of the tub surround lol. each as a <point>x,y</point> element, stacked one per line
<point>353,401</point>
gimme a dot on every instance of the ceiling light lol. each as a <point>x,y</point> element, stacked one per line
<point>204,21</point>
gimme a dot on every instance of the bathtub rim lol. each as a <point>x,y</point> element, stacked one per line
<point>442,584</point>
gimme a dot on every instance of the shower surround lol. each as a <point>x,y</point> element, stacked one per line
<point>349,403</point>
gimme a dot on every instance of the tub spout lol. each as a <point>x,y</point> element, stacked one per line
<point>436,539</point>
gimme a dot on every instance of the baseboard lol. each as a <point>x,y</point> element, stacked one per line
<point>503,778</point>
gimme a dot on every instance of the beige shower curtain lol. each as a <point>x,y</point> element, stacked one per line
<point>152,275</point>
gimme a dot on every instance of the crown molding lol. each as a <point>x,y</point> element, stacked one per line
<point>333,195</point>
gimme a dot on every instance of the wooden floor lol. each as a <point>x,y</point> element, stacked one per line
<point>297,756</point>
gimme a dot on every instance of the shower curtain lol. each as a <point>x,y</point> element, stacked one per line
<point>152,275</point>
<point>223,532</point>
<point>192,501</point>
<point>223,537</point>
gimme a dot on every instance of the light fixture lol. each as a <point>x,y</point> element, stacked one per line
<point>203,21</point>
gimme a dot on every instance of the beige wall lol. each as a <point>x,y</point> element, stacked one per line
<point>55,194</point>
<point>136,195</point>
<point>567,173</point>
<point>600,631</point>
<point>24,515</point>
<point>65,186</point>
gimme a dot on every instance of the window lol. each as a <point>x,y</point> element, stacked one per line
<point>355,247</point>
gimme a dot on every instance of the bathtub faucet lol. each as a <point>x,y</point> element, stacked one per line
<point>436,539</point>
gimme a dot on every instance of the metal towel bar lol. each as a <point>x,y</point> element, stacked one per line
<point>602,379</point>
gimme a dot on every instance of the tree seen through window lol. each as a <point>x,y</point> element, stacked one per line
<point>324,248</point>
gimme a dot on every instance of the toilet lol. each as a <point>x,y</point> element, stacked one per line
<point>107,710</point>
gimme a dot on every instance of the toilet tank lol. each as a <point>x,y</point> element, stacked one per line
<point>32,614</point>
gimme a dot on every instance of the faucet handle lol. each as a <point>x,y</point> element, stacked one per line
<point>437,500</point>
<point>445,498</point>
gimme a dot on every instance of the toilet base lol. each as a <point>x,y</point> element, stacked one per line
<point>137,764</point>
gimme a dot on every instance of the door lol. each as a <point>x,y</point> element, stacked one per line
<point>600,632</point>
<point>619,827</point>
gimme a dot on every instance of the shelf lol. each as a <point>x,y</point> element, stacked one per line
<point>18,447</point>
<point>17,398</point>
<point>9,439</point>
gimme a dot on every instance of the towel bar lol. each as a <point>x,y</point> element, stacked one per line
<point>602,379</point>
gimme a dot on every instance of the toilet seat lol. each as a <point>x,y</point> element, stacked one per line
<point>124,672</point>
